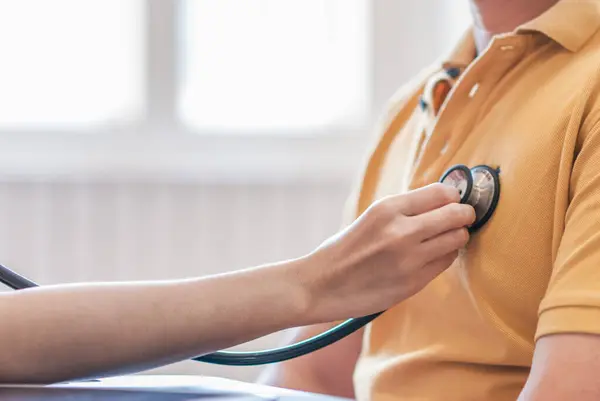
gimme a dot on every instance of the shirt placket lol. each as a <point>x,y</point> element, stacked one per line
<point>456,118</point>
<point>434,95</point>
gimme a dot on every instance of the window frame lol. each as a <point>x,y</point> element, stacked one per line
<point>159,148</point>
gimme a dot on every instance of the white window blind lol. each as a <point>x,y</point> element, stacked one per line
<point>69,63</point>
<point>259,65</point>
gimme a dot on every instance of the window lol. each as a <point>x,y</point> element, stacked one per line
<point>70,63</point>
<point>274,64</point>
<point>211,90</point>
<point>245,65</point>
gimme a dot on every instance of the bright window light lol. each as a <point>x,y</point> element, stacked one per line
<point>257,65</point>
<point>456,18</point>
<point>70,62</point>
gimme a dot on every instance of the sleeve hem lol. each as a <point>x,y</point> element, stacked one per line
<point>569,320</point>
<point>581,299</point>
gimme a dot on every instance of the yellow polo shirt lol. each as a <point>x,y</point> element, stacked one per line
<point>529,105</point>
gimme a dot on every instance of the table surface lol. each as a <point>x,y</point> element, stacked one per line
<point>157,387</point>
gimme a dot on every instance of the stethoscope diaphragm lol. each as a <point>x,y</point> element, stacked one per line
<point>479,187</point>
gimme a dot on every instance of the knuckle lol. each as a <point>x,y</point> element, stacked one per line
<point>461,236</point>
<point>471,215</point>
<point>391,235</point>
<point>384,209</point>
<point>438,190</point>
<point>456,212</point>
<point>406,201</point>
<point>463,214</point>
<point>447,193</point>
<point>401,232</point>
<point>410,230</point>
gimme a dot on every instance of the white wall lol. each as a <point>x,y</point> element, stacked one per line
<point>410,34</point>
<point>74,231</point>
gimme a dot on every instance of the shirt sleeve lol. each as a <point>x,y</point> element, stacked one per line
<point>572,300</point>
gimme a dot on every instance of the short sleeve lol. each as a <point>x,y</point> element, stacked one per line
<point>572,300</point>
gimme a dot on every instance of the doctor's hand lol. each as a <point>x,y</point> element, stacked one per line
<point>88,330</point>
<point>392,251</point>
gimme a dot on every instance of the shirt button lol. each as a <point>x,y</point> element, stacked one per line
<point>474,90</point>
<point>445,147</point>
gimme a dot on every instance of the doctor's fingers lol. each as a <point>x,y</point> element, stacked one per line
<point>443,244</point>
<point>426,199</point>
<point>441,220</point>
<point>435,267</point>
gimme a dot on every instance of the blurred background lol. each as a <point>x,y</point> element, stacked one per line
<point>155,139</point>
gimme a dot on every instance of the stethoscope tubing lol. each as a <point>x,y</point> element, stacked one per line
<point>292,351</point>
<point>14,280</point>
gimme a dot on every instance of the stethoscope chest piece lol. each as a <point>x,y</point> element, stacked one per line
<point>478,187</point>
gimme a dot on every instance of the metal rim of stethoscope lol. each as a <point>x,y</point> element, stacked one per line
<point>479,186</point>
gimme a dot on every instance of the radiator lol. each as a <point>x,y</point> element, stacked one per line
<point>73,232</point>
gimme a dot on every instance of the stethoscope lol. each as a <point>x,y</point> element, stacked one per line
<point>478,186</point>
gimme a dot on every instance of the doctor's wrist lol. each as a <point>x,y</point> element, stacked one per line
<point>310,296</point>
<point>300,292</point>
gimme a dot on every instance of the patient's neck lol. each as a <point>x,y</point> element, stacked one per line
<point>492,17</point>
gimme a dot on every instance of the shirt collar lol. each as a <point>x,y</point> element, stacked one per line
<point>569,23</point>
<point>462,54</point>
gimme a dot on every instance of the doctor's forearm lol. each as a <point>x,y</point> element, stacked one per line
<point>394,249</point>
<point>71,332</point>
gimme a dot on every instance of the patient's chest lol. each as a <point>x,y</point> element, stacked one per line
<point>493,290</point>
<point>507,265</point>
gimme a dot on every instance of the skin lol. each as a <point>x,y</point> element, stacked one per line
<point>70,332</point>
<point>564,367</point>
<point>492,17</point>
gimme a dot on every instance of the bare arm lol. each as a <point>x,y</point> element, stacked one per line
<point>59,333</point>
<point>327,371</point>
<point>565,367</point>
